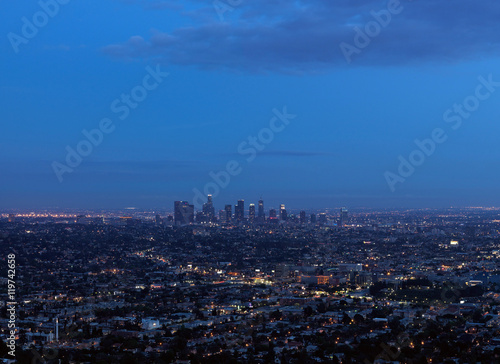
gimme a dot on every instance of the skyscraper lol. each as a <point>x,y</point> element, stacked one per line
<point>229,212</point>
<point>283,214</point>
<point>208,209</point>
<point>322,219</point>
<point>313,218</point>
<point>200,217</point>
<point>183,213</point>
<point>251,212</point>
<point>261,214</point>
<point>303,217</point>
<point>239,210</point>
<point>344,216</point>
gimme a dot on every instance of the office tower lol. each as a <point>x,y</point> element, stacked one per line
<point>158,220</point>
<point>272,214</point>
<point>183,213</point>
<point>168,221</point>
<point>251,212</point>
<point>283,214</point>
<point>200,217</point>
<point>239,210</point>
<point>12,218</point>
<point>222,215</point>
<point>313,218</point>
<point>229,212</point>
<point>208,209</point>
<point>303,217</point>
<point>261,214</point>
<point>322,219</point>
<point>344,216</point>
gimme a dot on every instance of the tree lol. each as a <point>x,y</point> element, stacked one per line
<point>308,311</point>
<point>346,320</point>
<point>276,315</point>
<point>358,318</point>
<point>269,357</point>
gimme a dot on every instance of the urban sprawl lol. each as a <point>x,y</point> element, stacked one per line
<point>251,285</point>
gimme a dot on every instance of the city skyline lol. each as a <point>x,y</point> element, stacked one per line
<point>185,214</point>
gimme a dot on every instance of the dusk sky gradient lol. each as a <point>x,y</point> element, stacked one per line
<point>353,120</point>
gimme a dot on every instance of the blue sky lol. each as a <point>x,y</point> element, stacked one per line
<point>225,77</point>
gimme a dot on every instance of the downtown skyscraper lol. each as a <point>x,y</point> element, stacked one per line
<point>283,213</point>
<point>261,215</point>
<point>251,212</point>
<point>239,210</point>
<point>229,212</point>
<point>208,209</point>
<point>183,213</point>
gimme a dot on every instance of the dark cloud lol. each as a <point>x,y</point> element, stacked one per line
<point>305,36</point>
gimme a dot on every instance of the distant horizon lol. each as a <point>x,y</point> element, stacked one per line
<point>335,209</point>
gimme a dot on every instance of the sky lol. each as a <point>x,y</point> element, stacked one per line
<point>315,104</point>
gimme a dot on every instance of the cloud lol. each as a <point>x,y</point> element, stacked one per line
<point>304,36</point>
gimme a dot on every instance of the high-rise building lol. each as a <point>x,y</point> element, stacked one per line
<point>229,212</point>
<point>12,218</point>
<point>303,217</point>
<point>158,220</point>
<point>272,214</point>
<point>261,214</point>
<point>239,210</point>
<point>283,214</point>
<point>200,217</point>
<point>344,216</point>
<point>251,212</point>
<point>313,218</point>
<point>322,219</point>
<point>222,215</point>
<point>183,213</point>
<point>208,209</point>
